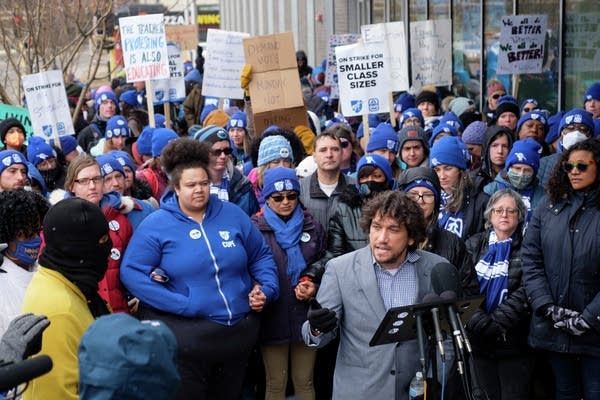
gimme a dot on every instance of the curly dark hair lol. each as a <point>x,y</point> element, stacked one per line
<point>399,206</point>
<point>558,186</point>
<point>181,154</point>
<point>21,213</point>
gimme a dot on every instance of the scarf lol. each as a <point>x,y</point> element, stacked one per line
<point>492,272</point>
<point>287,234</point>
<point>222,190</point>
<point>450,221</point>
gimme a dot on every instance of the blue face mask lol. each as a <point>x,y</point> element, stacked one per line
<point>27,251</point>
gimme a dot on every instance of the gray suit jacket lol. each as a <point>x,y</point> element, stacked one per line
<point>349,287</point>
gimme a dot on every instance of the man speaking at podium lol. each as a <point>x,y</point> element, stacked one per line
<point>359,287</point>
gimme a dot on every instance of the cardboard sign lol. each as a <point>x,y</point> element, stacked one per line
<point>47,104</point>
<point>288,118</point>
<point>270,52</point>
<point>173,89</point>
<point>331,77</point>
<point>223,63</point>
<point>20,113</point>
<point>363,78</point>
<point>431,52</point>
<point>144,47</point>
<point>522,44</point>
<point>392,35</point>
<point>186,36</point>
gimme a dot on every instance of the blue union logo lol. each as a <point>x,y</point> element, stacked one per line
<point>356,105</point>
<point>373,104</point>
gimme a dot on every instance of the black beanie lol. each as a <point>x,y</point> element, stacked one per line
<point>8,123</point>
<point>428,96</point>
<point>507,106</point>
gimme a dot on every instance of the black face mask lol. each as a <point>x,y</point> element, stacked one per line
<point>371,188</point>
<point>50,175</point>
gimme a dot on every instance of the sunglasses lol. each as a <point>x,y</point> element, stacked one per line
<point>344,144</point>
<point>581,167</point>
<point>496,96</point>
<point>278,198</point>
<point>217,152</point>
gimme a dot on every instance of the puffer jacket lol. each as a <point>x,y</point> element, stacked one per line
<point>503,333</point>
<point>281,320</point>
<point>561,254</point>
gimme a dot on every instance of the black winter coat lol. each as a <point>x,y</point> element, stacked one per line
<point>561,265</point>
<point>503,333</point>
<point>281,320</point>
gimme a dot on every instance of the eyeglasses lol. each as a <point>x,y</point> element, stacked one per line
<point>501,211</point>
<point>581,167</point>
<point>86,181</point>
<point>426,198</point>
<point>496,96</point>
<point>278,198</point>
<point>344,144</point>
<point>217,152</point>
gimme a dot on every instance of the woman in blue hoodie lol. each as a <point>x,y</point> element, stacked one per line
<point>202,267</point>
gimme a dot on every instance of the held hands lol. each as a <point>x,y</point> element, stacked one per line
<point>558,314</point>
<point>23,337</point>
<point>305,290</point>
<point>321,320</point>
<point>575,325</point>
<point>257,298</point>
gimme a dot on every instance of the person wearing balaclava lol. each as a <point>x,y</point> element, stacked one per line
<point>520,174</point>
<point>65,289</point>
<point>44,158</point>
<point>373,175</point>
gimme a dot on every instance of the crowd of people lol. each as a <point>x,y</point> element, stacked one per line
<point>265,261</point>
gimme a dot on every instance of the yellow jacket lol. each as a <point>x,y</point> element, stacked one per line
<point>51,294</point>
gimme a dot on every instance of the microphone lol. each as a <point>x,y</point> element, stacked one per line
<point>432,298</point>
<point>444,277</point>
<point>13,374</point>
<point>421,338</point>
<point>450,295</point>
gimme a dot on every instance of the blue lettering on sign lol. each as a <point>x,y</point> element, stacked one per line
<point>373,104</point>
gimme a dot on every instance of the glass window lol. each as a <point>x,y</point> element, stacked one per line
<point>439,9</point>
<point>494,11</point>
<point>582,50</point>
<point>466,48</point>
<point>417,10</point>
<point>397,10</point>
<point>377,11</point>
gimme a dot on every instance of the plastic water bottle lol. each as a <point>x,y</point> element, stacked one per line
<point>417,387</point>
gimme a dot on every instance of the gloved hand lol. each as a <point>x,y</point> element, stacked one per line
<point>245,78</point>
<point>575,325</point>
<point>307,137</point>
<point>322,320</point>
<point>23,337</point>
<point>558,313</point>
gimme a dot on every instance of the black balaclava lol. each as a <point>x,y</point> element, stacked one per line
<point>73,229</point>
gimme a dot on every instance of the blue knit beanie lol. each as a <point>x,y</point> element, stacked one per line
<point>577,116</point>
<point>11,157</point>
<point>442,128</point>
<point>534,115</point>
<point>144,141</point>
<point>39,151</point>
<point>67,144</point>
<point>238,120</point>
<point>160,121</point>
<point>410,113</point>
<point>160,138</point>
<point>592,93</point>
<point>34,175</point>
<point>448,151</point>
<point>553,124</point>
<point>451,119</point>
<point>193,75</point>
<point>404,101</point>
<point>116,126</point>
<point>279,179</point>
<point>474,133</point>
<point>378,161</point>
<point>131,98</point>
<point>109,164</point>
<point>123,158</point>
<point>274,148</point>
<point>526,151</point>
<point>106,96</point>
<point>383,137</point>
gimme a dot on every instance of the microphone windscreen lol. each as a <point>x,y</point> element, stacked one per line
<point>448,295</point>
<point>444,277</point>
<point>430,298</point>
<point>12,375</point>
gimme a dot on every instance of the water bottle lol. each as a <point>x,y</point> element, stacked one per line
<point>416,390</point>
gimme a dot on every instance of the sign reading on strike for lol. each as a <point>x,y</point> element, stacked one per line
<point>363,78</point>
<point>392,34</point>
<point>522,44</point>
<point>47,104</point>
<point>223,64</point>
<point>173,89</point>
<point>144,47</point>
<point>431,52</point>
<point>331,75</point>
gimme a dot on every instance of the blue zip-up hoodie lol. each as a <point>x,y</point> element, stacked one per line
<point>211,266</point>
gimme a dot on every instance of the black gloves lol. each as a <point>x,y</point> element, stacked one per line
<point>557,313</point>
<point>321,320</point>
<point>23,337</point>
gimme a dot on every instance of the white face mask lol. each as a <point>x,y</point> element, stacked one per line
<point>571,138</point>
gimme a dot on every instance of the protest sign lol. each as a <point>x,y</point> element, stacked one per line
<point>392,34</point>
<point>172,89</point>
<point>144,47</point>
<point>363,78</point>
<point>275,85</point>
<point>431,52</point>
<point>47,104</point>
<point>20,113</point>
<point>223,63</point>
<point>186,36</point>
<point>331,75</point>
<point>522,44</point>
<point>582,42</point>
